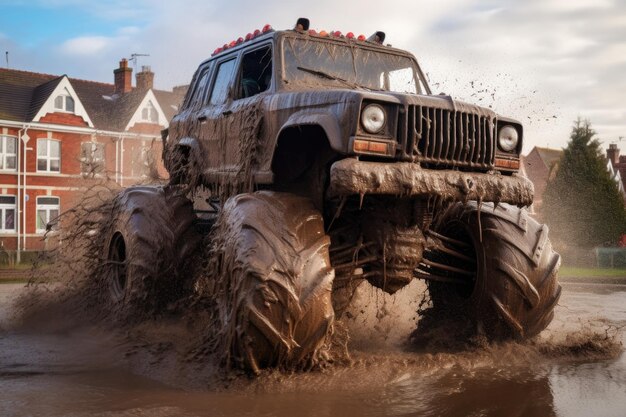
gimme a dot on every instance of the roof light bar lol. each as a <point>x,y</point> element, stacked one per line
<point>302,25</point>
<point>266,29</point>
<point>377,37</point>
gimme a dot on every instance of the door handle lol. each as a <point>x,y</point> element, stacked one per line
<point>202,118</point>
<point>227,112</point>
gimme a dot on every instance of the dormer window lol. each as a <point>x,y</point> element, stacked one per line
<point>149,113</point>
<point>64,102</point>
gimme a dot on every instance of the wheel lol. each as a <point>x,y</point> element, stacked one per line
<point>149,236</point>
<point>276,281</point>
<point>493,270</point>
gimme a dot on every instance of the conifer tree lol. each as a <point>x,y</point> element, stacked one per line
<point>582,203</point>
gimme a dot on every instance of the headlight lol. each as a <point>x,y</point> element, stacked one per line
<point>508,138</point>
<point>373,118</point>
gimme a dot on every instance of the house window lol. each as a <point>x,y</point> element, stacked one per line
<point>48,155</point>
<point>149,113</point>
<point>92,158</point>
<point>7,213</point>
<point>8,149</point>
<point>64,102</point>
<point>48,209</point>
<point>143,163</point>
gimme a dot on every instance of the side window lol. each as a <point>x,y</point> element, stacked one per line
<point>256,72</point>
<point>222,80</point>
<point>200,87</point>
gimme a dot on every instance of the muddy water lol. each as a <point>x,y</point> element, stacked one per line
<point>572,370</point>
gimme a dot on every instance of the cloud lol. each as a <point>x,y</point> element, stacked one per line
<point>528,59</point>
<point>110,9</point>
<point>86,45</point>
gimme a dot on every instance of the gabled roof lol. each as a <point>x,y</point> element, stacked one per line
<point>17,90</point>
<point>135,117</point>
<point>549,156</point>
<point>40,95</point>
<point>23,93</point>
<point>169,101</point>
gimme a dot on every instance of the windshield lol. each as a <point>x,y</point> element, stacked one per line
<point>312,63</point>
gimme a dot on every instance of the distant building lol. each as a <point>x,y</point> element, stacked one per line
<point>539,166</point>
<point>56,130</point>
<point>616,164</point>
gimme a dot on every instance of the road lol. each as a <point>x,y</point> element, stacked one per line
<point>571,370</point>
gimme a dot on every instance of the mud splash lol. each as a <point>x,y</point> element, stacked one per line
<point>186,345</point>
<point>176,351</point>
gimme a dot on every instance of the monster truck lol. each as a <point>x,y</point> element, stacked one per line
<point>329,163</point>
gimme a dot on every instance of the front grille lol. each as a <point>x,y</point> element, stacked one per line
<point>445,138</point>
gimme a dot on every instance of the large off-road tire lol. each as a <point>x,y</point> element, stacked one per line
<point>511,290</point>
<point>274,256</point>
<point>148,238</point>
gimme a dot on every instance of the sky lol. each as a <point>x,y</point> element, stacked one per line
<point>543,62</point>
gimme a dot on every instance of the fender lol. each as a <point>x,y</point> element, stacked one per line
<point>326,121</point>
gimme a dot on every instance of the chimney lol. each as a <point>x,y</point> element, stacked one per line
<point>180,90</point>
<point>123,78</point>
<point>612,154</point>
<point>145,78</point>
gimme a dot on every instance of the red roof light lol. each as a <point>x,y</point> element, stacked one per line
<point>350,35</point>
<point>267,28</point>
<point>361,37</point>
<point>312,32</point>
<point>249,36</point>
<point>256,33</point>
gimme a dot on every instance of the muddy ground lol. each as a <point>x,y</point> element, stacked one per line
<point>58,366</point>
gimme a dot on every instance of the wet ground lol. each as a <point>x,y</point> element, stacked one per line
<point>572,370</point>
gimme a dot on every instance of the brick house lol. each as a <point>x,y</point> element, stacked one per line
<point>539,166</point>
<point>57,131</point>
<point>616,164</point>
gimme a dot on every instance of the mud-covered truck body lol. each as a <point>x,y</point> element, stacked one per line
<point>329,162</point>
<point>296,84</point>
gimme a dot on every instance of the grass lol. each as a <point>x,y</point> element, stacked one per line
<point>575,272</point>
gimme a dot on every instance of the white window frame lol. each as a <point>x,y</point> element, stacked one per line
<point>64,97</point>
<point>4,154</point>
<point>91,159</point>
<point>151,111</point>
<point>47,208</point>
<point>3,214</point>
<point>49,158</point>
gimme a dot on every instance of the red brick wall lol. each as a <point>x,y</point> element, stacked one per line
<point>58,185</point>
<point>64,119</point>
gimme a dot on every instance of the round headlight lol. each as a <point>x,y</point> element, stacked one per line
<point>373,118</point>
<point>508,138</point>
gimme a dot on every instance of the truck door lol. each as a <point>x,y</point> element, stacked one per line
<point>244,114</point>
<point>215,117</point>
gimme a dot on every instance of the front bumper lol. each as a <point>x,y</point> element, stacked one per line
<point>350,176</point>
